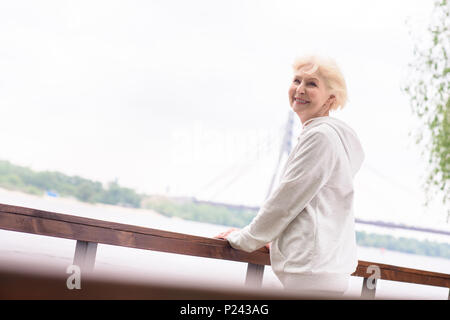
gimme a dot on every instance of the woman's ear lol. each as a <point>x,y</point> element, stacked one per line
<point>331,100</point>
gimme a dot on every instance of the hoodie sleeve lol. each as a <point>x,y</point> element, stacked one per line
<point>306,173</point>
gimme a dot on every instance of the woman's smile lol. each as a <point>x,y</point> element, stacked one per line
<point>301,101</point>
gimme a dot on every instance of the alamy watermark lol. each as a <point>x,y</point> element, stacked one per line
<point>198,143</point>
<point>375,275</point>
<point>74,280</point>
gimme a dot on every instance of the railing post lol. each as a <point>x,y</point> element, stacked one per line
<point>255,273</point>
<point>85,255</point>
<point>366,292</point>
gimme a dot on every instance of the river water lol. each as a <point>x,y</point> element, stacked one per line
<point>25,248</point>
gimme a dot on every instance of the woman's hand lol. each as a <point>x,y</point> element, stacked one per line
<point>225,234</point>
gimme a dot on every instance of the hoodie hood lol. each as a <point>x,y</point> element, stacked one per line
<point>348,137</point>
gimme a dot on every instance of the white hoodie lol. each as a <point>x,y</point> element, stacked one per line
<point>309,217</point>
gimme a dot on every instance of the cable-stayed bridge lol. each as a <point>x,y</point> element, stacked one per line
<point>283,141</point>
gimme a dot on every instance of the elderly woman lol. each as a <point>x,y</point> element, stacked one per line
<point>308,219</point>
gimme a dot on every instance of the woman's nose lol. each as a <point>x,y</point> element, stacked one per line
<point>300,89</point>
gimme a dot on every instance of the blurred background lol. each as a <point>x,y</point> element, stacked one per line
<point>180,107</point>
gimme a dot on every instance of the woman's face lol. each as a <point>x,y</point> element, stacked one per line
<point>308,95</point>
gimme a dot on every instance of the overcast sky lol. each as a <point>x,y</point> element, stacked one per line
<point>190,97</point>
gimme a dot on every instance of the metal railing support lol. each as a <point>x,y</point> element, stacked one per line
<point>254,276</point>
<point>366,292</point>
<point>84,257</point>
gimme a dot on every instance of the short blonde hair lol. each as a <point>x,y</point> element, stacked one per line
<point>330,72</point>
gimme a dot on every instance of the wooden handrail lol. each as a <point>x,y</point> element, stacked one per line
<point>98,231</point>
<point>92,231</point>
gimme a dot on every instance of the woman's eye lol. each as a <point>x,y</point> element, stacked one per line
<point>296,81</point>
<point>312,84</point>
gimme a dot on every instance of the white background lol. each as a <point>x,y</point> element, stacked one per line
<point>166,96</point>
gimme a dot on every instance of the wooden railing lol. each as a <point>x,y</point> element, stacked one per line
<point>89,232</point>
